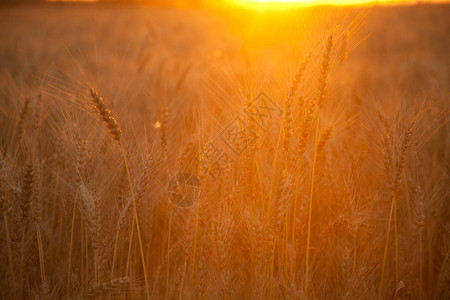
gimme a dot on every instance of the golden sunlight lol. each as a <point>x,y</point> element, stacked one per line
<point>283,3</point>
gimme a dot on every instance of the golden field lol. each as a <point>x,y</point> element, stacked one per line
<point>224,152</point>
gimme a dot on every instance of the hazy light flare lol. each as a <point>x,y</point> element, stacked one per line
<point>285,3</point>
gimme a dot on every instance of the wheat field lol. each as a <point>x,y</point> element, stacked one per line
<point>222,152</point>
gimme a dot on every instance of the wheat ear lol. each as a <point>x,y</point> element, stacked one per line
<point>26,198</point>
<point>288,120</point>
<point>37,203</point>
<point>23,115</point>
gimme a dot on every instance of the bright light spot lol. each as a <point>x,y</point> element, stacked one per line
<point>278,1</point>
<point>157,125</point>
<point>322,2</point>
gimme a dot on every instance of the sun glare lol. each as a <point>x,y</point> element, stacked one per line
<point>279,1</point>
<point>284,3</point>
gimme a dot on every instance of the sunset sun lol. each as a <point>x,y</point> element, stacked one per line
<point>286,3</point>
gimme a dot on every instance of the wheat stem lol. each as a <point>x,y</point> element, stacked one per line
<point>82,253</point>
<point>86,243</point>
<point>168,252</point>
<point>441,273</point>
<point>311,192</point>
<point>41,254</point>
<point>195,247</point>
<point>10,258</point>
<point>71,243</point>
<point>294,217</point>
<point>22,257</point>
<point>137,221</point>
<point>261,192</point>
<point>386,246</point>
<point>286,239</point>
<point>130,243</point>
<point>396,243</point>
<point>182,279</point>
<point>420,266</point>
<point>272,267</point>
<point>53,215</point>
<point>61,225</point>
<point>272,179</point>
<point>297,184</point>
<point>116,240</point>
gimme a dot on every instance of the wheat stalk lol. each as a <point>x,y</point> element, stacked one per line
<point>127,209</point>
<point>79,164</point>
<point>37,203</point>
<point>322,85</point>
<point>107,117</point>
<point>396,180</point>
<point>6,208</point>
<point>420,224</point>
